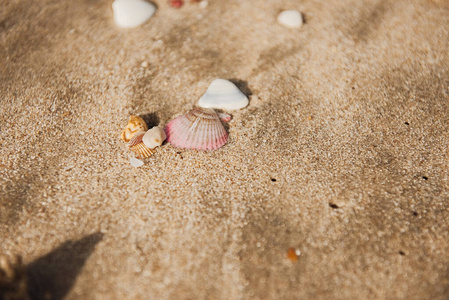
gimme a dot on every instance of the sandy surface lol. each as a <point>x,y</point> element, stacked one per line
<point>341,154</point>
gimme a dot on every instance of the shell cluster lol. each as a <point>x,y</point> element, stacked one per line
<point>201,128</point>
<point>132,13</point>
<point>141,140</point>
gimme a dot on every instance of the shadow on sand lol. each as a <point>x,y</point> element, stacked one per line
<point>53,275</point>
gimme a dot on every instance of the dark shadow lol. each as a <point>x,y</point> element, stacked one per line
<point>53,275</point>
<point>369,23</point>
<point>270,57</point>
<point>242,85</point>
<point>304,18</point>
<point>151,119</point>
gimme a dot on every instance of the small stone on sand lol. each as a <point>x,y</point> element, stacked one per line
<point>291,18</point>
<point>292,255</point>
<point>132,13</point>
<point>135,162</point>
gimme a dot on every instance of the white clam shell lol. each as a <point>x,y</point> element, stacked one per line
<point>132,13</point>
<point>291,18</point>
<point>154,137</point>
<point>223,94</point>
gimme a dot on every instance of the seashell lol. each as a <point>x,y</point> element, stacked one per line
<point>223,94</point>
<point>137,146</point>
<point>199,129</point>
<point>142,150</point>
<point>154,137</point>
<point>225,117</point>
<point>136,163</point>
<point>132,13</point>
<point>291,18</point>
<point>135,125</point>
<point>176,3</point>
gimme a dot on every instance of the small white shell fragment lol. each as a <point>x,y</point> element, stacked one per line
<point>203,4</point>
<point>223,94</point>
<point>135,162</point>
<point>154,137</point>
<point>132,13</point>
<point>291,18</point>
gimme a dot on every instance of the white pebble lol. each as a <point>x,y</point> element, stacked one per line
<point>291,18</point>
<point>203,4</point>
<point>223,94</point>
<point>135,162</point>
<point>132,13</point>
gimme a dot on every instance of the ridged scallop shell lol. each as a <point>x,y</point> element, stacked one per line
<point>199,129</point>
<point>137,146</point>
<point>135,125</point>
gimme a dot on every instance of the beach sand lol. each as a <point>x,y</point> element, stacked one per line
<point>341,154</point>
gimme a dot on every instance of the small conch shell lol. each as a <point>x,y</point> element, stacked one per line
<point>154,137</point>
<point>199,129</point>
<point>138,147</point>
<point>135,125</point>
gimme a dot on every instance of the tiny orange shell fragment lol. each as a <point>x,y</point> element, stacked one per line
<point>291,255</point>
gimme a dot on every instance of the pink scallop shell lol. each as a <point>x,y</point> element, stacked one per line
<point>199,129</point>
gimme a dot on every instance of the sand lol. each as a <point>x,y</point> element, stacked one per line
<point>341,154</point>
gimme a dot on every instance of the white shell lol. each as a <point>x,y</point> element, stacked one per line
<point>291,18</point>
<point>134,126</point>
<point>132,13</point>
<point>154,137</point>
<point>223,94</point>
<point>135,162</point>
